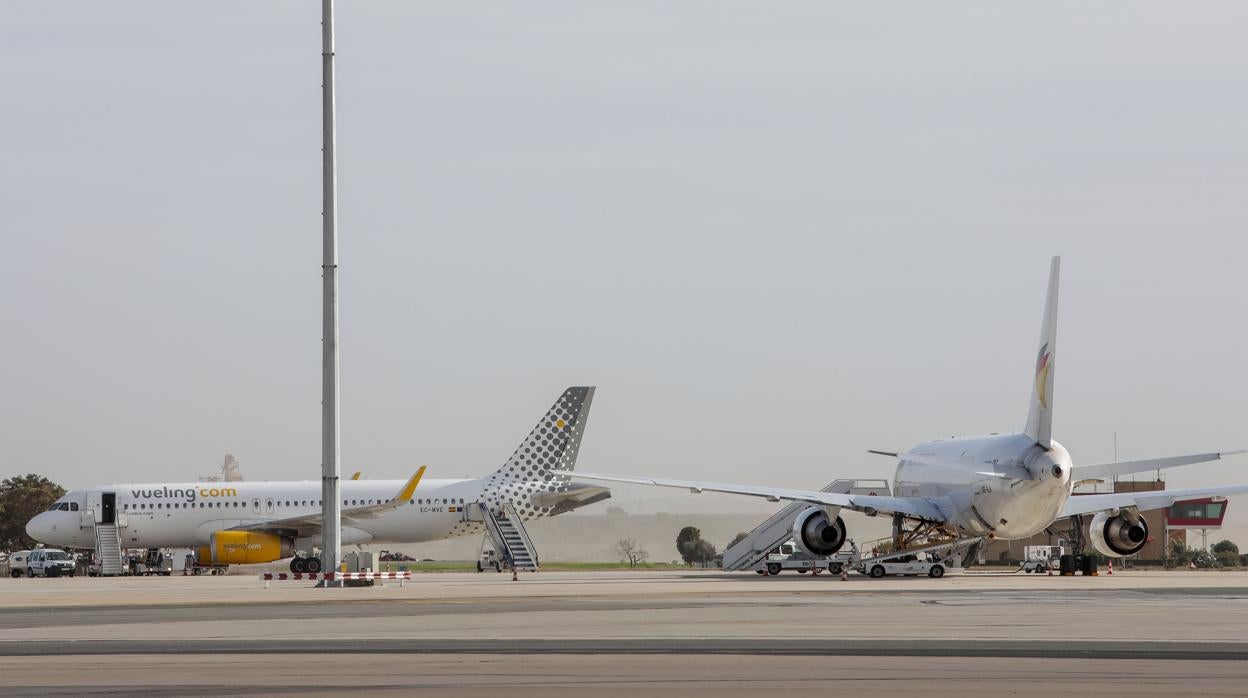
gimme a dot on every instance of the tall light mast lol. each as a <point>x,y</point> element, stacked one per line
<point>331,501</point>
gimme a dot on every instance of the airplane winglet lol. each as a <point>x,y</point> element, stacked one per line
<point>410,487</point>
<point>357,475</point>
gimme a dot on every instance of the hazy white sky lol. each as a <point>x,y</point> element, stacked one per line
<point>773,235</point>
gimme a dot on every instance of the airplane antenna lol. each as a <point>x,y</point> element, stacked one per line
<point>331,501</point>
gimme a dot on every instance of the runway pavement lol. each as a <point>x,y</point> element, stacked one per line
<point>680,631</point>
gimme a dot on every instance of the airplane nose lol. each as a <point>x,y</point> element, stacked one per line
<point>38,527</point>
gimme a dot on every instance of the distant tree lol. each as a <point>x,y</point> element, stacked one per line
<point>21,497</point>
<point>1225,546</point>
<point>686,543</point>
<point>740,537</point>
<point>631,552</point>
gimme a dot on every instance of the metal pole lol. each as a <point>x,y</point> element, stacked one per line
<point>331,501</point>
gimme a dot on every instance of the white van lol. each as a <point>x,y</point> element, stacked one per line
<point>50,562</point>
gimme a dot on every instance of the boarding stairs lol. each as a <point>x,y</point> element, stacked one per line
<point>511,540</point>
<point>779,528</point>
<point>108,550</point>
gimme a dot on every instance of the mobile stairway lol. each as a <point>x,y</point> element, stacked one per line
<point>511,540</point>
<point>108,550</point>
<point>779,528</point>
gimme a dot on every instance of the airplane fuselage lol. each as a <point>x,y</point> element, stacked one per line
<point>1000,486</point>
<point>159,515</point>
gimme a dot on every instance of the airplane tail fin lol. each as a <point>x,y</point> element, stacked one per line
<point>1040,416</point>
<point>551,447</point>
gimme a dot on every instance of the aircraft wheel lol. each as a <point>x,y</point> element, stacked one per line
<point>774,568</point>
<point>936,572</point>
<point>298,565</point>
<point>877,571</point>
<point>313,564</point>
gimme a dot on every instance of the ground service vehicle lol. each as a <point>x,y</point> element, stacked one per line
<point>1041,558</point>
<point>913,565</point>
<point>17,563</point>
<point>50,562</point>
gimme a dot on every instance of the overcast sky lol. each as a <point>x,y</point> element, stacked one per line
<point>773,235</point>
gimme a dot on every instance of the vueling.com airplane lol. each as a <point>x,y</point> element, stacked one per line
<point>1008,486</point>
<point>255,522</point>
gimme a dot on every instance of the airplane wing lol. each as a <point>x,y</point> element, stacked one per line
<point>310,524</point>
<point>1101,471</point>
<point>922,507</point>
<point>1144,501</point>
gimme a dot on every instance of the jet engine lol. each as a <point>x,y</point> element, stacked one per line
<point>1115,536</point>
<point>816,534</point>
<point>248,547</point>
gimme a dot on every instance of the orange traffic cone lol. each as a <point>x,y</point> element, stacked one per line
<point>514,578</point>
<point>1111,568</point>
<point>844,573</point>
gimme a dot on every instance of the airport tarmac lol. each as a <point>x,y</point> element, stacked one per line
<point>570,633</point>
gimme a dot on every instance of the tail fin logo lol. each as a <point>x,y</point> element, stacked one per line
<point>1042,375</point>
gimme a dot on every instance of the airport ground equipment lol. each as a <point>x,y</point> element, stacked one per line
<point>1039,559</point>
<point>934,560</point>
<point>788,556</point>
<point>507,533</point>
<point>100,513</point>
<point>17,563</point>
<point>50,562</point>
<point>777,529</point>
<point>488,559</point>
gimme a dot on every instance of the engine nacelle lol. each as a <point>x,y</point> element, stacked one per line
<point>816,534</point>
<point>248,547</point>
<point>1115,536</point>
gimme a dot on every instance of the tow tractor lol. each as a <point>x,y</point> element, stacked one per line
<point>788,556</point>
<point>932,560</point>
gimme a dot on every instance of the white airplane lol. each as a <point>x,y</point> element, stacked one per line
<point>1009,486</point>
<point>255,522</point>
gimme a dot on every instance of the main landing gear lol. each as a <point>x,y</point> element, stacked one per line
<point>301,565</point>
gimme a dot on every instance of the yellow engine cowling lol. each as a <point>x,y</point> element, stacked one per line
<point>246,548</point>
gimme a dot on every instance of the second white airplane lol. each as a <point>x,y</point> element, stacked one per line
<point>1009,486</point>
